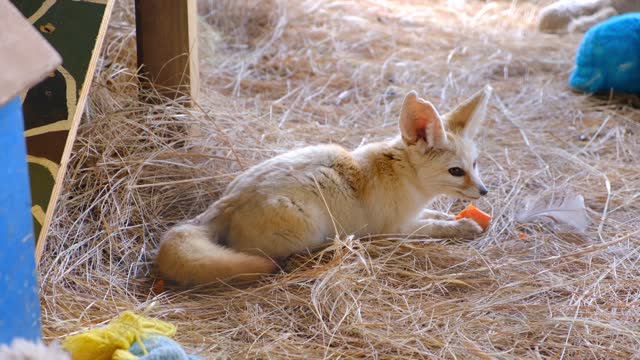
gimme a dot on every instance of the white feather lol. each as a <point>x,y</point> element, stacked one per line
<point>568,210</point>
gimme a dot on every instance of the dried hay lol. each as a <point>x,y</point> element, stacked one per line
<point>279,75</point>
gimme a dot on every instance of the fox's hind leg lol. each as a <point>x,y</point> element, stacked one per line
<point>277,226</point>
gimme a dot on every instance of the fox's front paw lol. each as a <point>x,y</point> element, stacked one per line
<point>436,215</point>
<point>467,228</point>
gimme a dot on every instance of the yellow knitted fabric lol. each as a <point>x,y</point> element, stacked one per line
<point>104,343</point>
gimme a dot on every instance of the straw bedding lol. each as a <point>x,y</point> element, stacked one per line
<point>280,75</point>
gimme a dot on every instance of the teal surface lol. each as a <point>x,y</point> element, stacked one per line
<point>609,57</point>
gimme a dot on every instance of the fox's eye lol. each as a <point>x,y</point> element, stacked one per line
<point>456,171</point>
<point>475,163</point>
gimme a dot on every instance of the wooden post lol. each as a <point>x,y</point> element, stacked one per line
<point>167,45</point>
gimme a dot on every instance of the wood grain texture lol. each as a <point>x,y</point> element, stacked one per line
<point>167,45</point>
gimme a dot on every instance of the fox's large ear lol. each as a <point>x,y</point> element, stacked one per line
<point>467,117</point>
<point>419,119</point>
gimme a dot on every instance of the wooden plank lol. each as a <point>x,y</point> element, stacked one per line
<point>53,108</point>
<point>166,33</point>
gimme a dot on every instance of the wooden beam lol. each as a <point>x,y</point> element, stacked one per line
<point>167,45</point>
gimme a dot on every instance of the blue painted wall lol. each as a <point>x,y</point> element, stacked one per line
<point>19,302</point>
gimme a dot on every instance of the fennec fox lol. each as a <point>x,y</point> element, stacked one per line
<point>301,199</point>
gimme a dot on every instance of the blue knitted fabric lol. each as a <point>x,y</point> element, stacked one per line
<point>160,348</point>
<point>609,57</point>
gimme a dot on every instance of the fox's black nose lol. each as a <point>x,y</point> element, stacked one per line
<point>483,191</point>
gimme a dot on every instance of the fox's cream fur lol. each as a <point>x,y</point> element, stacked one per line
<point>301,199</point>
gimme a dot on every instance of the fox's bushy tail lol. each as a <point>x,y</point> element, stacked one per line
<point>189,255</point>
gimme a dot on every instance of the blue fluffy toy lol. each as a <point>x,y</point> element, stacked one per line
<point>609,57</point>
<point>160,348</point>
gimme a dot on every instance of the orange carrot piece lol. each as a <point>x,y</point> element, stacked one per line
<point>471,212</point>
<point>158,286</point>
